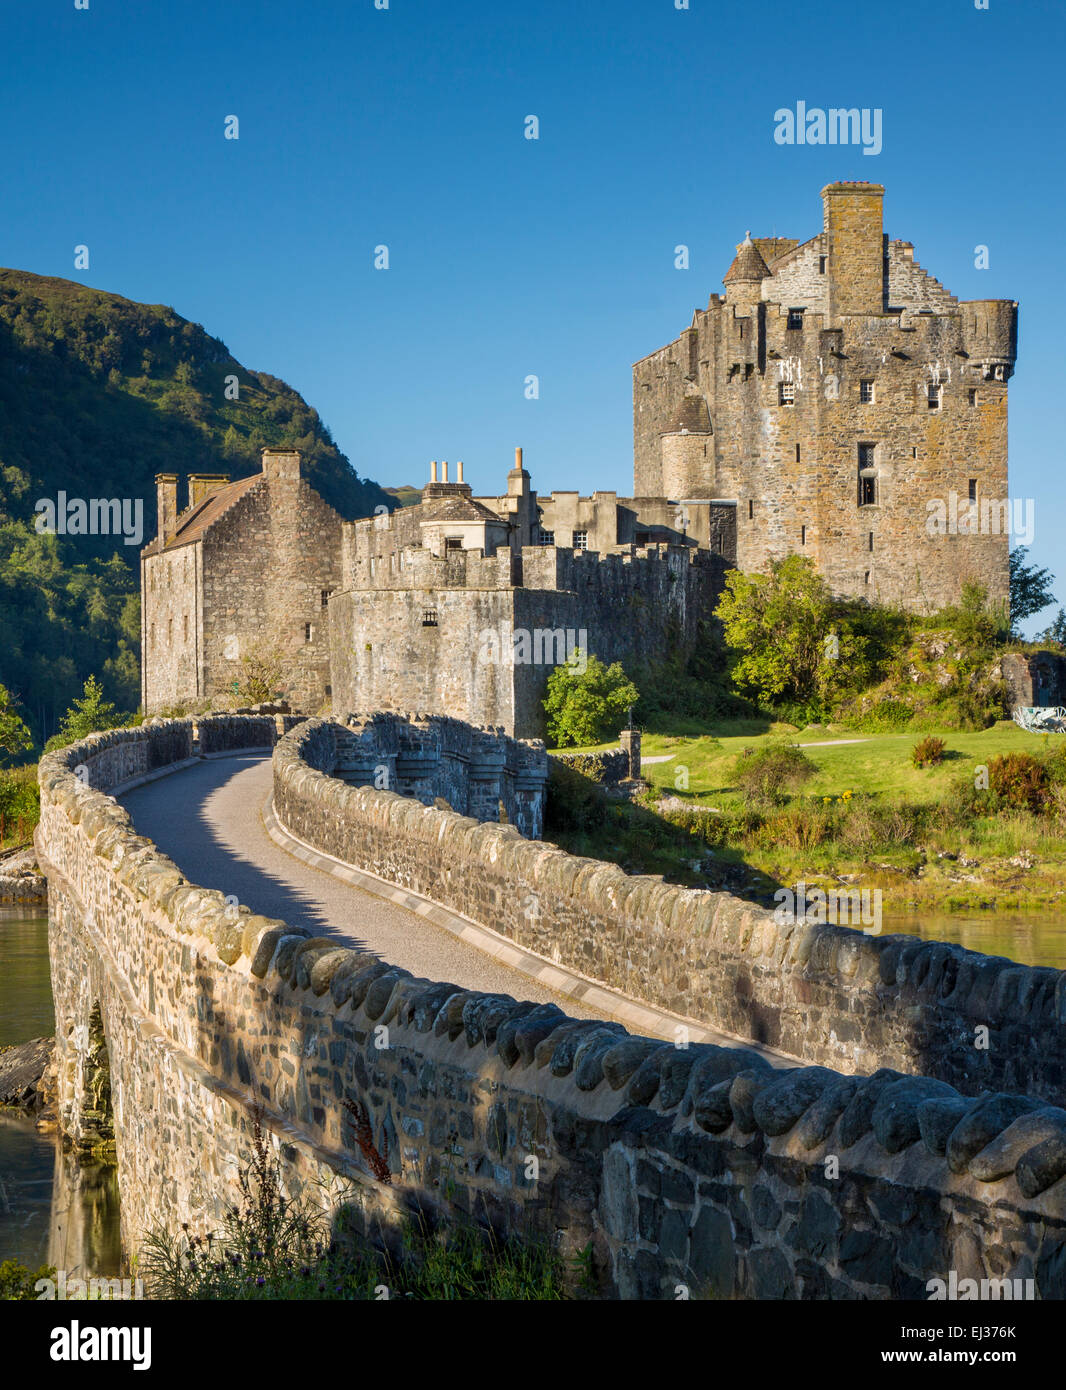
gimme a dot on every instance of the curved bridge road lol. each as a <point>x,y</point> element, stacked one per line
<point>209,819</point>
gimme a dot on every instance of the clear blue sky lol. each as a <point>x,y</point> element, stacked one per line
<point>508,256</point>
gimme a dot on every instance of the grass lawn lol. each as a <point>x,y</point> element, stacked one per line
<point>980,865</point>
<point>849,761</point>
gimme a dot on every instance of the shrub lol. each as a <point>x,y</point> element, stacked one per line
<point>573,802</point>
<point>17,1281</point>
<point>929,752</point>
<point>587,706</point>
<point>273,1248</point>
<point>1018,780</point>
<point>20,803</point>
<point>768,776</point>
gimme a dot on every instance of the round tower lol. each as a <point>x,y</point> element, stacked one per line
<point>743,280</point>
<point>688,451</point>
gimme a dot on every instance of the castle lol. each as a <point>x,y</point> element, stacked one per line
<point>823,406</point>
<point>836,393</point>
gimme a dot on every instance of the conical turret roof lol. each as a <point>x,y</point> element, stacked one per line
<point>748,263</point>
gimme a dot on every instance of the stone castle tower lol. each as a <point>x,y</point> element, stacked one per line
<point>835,393</point>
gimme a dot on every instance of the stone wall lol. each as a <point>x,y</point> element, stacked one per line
<point>411,645</point>
<point>828,994</point>
<point>676,1166</point>
<point>788,412</point>
<point>477,772</point>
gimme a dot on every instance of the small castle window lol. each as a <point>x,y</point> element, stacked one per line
<point>933,396</point>
<point>151,635</point>
<point>914,452</point>
<point>867,475</point>
<point>185,627</point>
<point>973,489</point>
<point>866,577</point>
<point>786,393</point>
<point>547,537</point>
<point>795,318</point>
<point>866,392</point>
<point>581,540</point>
<point>751,510</point>
<point>429,617</point>
<point>803,535</point>
<point>821,265</point>
<point>453,542</point>
<point>170,631</point>
<point>871,540</point>
<point>325,597</point>
<point>973,397</point>
<point>309,632</point>
<point>797,453</point>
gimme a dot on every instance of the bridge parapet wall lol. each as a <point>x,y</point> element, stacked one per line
<point>698,1166</point>
<point>829,994</point>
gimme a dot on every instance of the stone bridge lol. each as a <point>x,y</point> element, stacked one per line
<point>228,967</point>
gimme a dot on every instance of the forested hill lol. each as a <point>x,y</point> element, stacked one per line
<point>97,395</point>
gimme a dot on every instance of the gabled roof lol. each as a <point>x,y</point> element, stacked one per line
<point>193,522</point>
<point>455,508</point>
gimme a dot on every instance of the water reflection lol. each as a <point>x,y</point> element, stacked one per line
<point>52,1210</point>
<point>1030,938</point>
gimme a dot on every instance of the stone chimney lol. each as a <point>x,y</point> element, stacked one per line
<point>855,247</point>
<point>166,503</point>
<point>202,485</point>
<point>459,471</point>
<point>282,464</point>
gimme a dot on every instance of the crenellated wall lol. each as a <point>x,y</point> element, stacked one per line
<point>698,1166</point>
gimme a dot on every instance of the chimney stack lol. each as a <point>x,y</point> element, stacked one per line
<point>459,471</point>
<point>166,502</point>
<point>518,458</point>
<point>444,471</point>
<point>282,464</point>
<point>202,485</point>
<point>433,471</point>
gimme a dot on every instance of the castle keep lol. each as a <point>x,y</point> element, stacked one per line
<point>834,392</point>
<point>837,402</point>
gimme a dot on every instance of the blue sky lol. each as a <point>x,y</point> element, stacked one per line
<point>511,257</point>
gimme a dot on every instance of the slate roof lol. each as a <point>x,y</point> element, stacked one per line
<point>193,522</point>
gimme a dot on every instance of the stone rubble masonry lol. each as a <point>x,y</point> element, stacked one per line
<point>474,771</point>
<point>700,1166</point>
<point>438,633</point>
<point>774,372</point>
<point>829,994</point>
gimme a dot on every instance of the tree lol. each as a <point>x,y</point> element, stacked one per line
<point>587,706</point>
<point>1057,631</point>
<point>781,629</point>
<point>1030,588</point>
<point>86,716</point>
<point>14,735</point>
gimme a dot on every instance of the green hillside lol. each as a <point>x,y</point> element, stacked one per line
<point>97,395</point>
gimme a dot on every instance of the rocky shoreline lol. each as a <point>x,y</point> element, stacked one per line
<point>27,1079</point>
<point>21,881</point>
